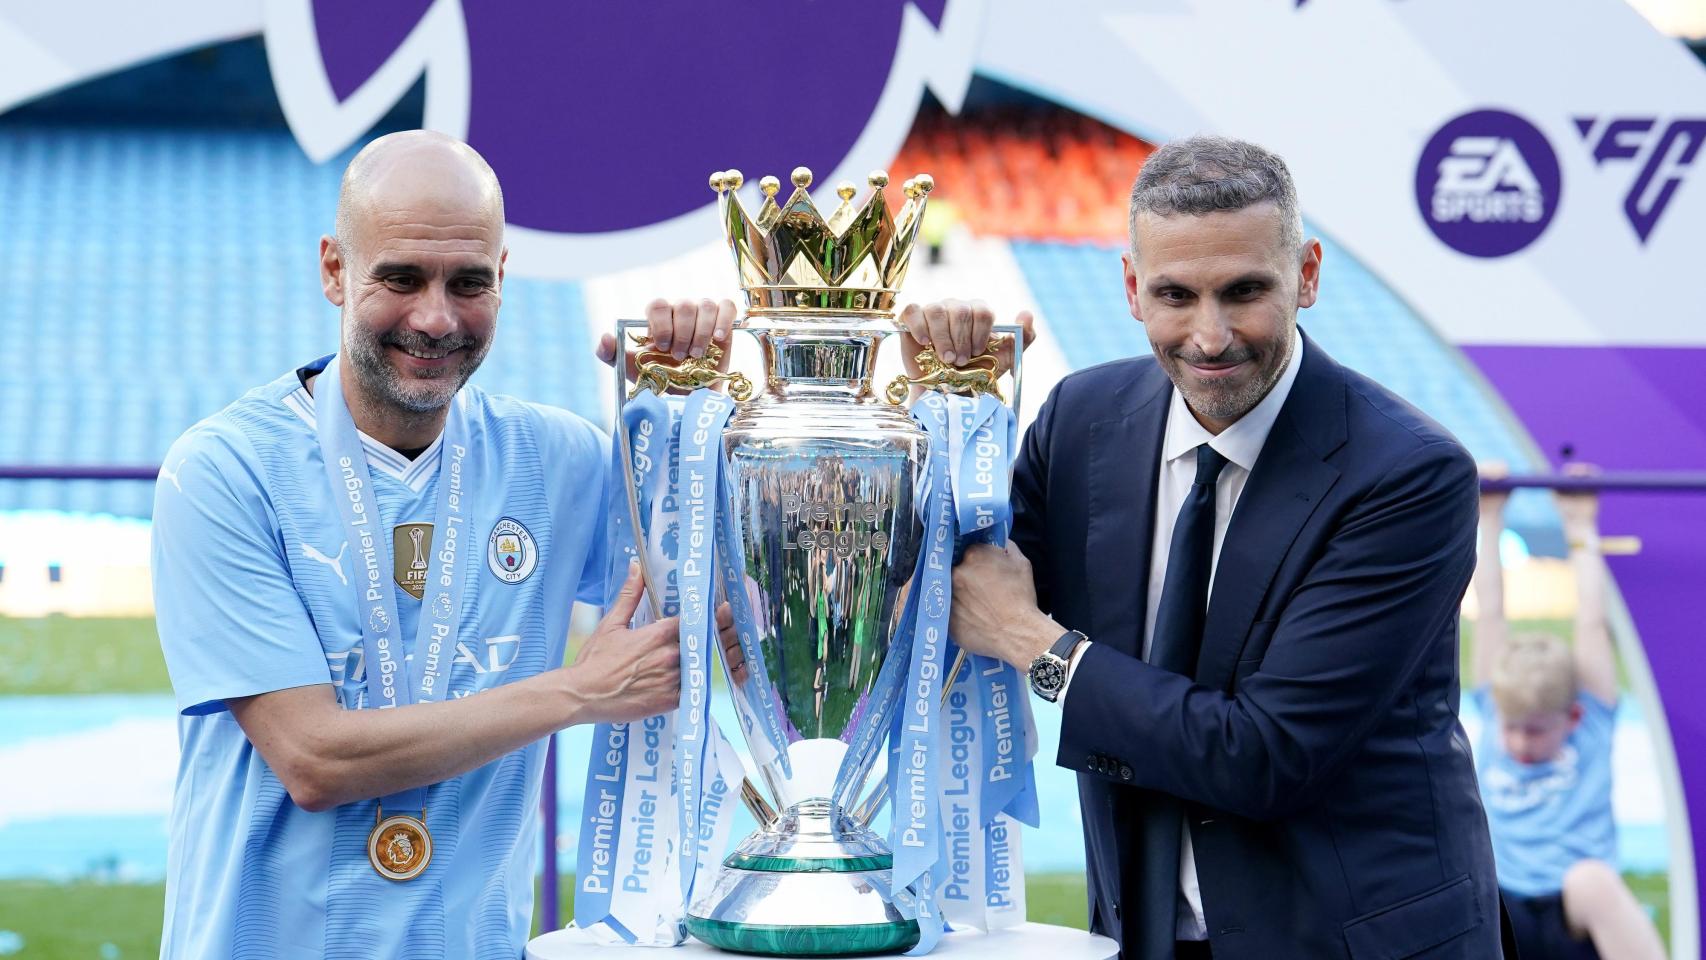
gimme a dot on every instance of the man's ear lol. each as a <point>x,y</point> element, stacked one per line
<point>1128,264</point>
<point>332,269</point>
<point>1309,274</point>
<point>503,258</point>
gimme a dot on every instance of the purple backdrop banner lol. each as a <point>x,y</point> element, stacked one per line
<point>1635,408</point>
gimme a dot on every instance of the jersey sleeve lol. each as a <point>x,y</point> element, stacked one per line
<point>582,495</point>
<point>1594,734</point>
<point>596,585</point>
<point>231,623</point>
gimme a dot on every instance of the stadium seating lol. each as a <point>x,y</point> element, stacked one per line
<point>1018,172</point>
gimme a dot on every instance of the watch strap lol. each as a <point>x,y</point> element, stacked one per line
<point>1068,641</point>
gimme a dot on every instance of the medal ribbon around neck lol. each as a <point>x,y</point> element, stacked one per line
<point>390,680</point>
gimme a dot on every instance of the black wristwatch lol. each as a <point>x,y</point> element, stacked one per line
<point>1048,670</point>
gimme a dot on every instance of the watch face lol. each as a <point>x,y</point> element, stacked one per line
<point>1047,676</point>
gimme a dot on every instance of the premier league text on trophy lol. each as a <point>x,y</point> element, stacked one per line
<point>839,537</point>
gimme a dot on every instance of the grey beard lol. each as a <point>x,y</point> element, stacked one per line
<point>1225,404</point>
<point>367,358</point>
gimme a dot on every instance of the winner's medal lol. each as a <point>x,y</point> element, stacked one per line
<point>399,846</point>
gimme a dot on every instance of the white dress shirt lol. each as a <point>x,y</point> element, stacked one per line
<point>1241,443</point>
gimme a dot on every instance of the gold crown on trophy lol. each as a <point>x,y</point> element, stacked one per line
<point>794,260</point>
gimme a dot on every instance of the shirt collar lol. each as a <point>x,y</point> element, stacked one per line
<point>1242,442</point>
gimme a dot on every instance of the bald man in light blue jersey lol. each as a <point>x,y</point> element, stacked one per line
<point>363,576</point>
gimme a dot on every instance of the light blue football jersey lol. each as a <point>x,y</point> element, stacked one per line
<point>251,589</point>
<point>1547,817</point>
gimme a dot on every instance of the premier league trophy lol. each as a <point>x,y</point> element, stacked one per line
<point>823,474</point>
<point>810,520</point>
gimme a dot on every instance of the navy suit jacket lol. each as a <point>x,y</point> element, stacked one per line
<point>1316,750</point>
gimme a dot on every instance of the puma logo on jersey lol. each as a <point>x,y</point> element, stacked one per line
<point>172,473</point>
<point>336,563</point>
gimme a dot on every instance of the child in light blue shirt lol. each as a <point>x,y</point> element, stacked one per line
<point>1544,759</point>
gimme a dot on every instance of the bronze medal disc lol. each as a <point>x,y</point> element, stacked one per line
<point>399,847</point>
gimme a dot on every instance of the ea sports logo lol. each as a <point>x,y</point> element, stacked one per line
<point>1488,183</point>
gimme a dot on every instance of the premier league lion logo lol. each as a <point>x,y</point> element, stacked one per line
<point>399,850</point>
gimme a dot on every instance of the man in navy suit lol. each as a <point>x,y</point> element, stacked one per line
<point>1245,565</point>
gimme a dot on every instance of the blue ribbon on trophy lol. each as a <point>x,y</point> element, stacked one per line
<point>762,724</point>
<point>622,851</point>
<point>988,708</point>
<point>986,782</point>
<point>654,789</point>
<point>701,453</point>
<point>915,824</point>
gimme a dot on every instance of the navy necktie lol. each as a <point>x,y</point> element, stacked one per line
<point>1190,556</point>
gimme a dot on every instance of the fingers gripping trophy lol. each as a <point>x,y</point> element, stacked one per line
<point>826,514</point>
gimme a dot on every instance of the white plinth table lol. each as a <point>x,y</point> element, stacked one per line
<point>1024,942</point>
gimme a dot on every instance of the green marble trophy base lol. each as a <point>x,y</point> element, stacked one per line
<point>776,940</point>
<point>814,884</point>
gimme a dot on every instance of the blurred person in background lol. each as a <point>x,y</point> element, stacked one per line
<point>370,532</point>
<point>1544,755</point>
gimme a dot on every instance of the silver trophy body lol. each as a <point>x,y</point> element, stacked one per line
<point>822,477</point>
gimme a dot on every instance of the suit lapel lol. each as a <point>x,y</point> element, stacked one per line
<point>1288,483</point>
<point>1125,455</point>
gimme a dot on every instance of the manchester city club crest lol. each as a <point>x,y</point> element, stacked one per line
<point>510,551</point>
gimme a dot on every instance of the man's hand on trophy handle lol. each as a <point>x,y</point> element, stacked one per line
<point>685,328</point>
<point>680,329</point>
<point>956,329</point>
<point>953,326</point>
<point>606,353</point>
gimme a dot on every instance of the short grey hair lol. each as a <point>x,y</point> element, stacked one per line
<point>1202,174</point>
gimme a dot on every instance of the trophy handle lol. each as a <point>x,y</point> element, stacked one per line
<point>976,376</point>
<point>624,444</point>
<point>658,375</point>
<point>867,811</point>
<point>660,372</point>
